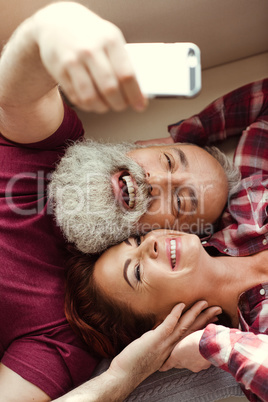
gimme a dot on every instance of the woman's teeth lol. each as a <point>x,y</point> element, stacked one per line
<point>173,252</point>
<point>131,191</point>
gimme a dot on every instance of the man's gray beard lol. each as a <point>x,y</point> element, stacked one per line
<point>83,200</point>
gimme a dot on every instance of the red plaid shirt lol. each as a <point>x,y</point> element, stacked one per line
<point>243,354</point>
<point>243,227</point>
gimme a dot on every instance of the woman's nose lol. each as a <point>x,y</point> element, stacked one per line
<point>150,247</point>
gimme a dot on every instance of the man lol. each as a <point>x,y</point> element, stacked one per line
<point>116,190</point>
<point>41,358</point>
<point>89,197</point>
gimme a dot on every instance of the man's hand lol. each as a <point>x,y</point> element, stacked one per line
<point>86,56</point>
<point>141,358</point>
<point>186,355</point>
<point>147,354</point>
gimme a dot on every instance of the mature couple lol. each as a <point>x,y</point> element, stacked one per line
<point>171,186</point>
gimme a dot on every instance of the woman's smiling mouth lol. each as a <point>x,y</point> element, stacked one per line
<point>173,247</point>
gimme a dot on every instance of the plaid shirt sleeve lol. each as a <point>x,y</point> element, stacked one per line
<point>227,116</point>
<point>242,354</point>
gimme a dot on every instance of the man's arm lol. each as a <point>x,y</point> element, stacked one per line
<point>140,359</point>
<point>15,388</point>
<point>62,43</point>
<point>136,362</point>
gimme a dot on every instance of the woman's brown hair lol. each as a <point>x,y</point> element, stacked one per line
<point>105,325</point>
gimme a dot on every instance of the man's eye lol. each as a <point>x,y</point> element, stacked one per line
<point>137,273</point>
<point>168,161</point>
<point>138,240</point>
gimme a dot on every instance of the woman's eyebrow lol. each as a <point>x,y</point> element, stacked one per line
<point>126,265</point>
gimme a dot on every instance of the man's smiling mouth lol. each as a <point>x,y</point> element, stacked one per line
<point>128,190</point>
<point>124,188</point>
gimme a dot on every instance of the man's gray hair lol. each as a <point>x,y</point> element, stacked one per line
<point>232,172</point>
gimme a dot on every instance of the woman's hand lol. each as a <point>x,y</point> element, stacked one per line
<point>86,55</point>
<point>186,355</point>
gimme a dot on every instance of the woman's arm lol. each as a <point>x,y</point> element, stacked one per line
<point>225,117</point>
<point>62,43</point>
<point>242,354</point>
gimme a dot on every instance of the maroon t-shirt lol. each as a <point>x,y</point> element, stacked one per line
<point>35,339</point>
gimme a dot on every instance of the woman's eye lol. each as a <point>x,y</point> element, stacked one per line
<point>137,273</point>
<point>138,240</point>
<point>179,203</point>
<point>168,161</point>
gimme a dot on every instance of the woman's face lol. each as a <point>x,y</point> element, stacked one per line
<point>153,273</point>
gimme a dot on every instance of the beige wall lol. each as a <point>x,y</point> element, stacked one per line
<point>153,123</point>
<point>224,30</point>
<point>232,35</point>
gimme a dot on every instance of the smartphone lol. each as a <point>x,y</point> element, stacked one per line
<point>167,69</point>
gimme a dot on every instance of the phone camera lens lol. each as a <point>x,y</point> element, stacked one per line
<point>192,59</point>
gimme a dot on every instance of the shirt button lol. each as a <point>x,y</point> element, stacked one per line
<point>264,242</point>
<point>262,292</point>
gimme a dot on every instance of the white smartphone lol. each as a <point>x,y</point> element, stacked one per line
<point>167,69</point>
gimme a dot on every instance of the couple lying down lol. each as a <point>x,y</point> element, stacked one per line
<point>112,298</point>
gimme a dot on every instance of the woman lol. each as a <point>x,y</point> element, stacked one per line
<point>132,287</point>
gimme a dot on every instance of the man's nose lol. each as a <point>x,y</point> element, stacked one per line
<point>160,183</point>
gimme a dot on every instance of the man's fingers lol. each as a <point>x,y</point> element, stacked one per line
<point>168,326</point>
<point>81,91</point>
<point>176,325</point>
<point>205,317</point>
<point>190,316</point>
<point>105,79</point>
<point>126,76</point>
